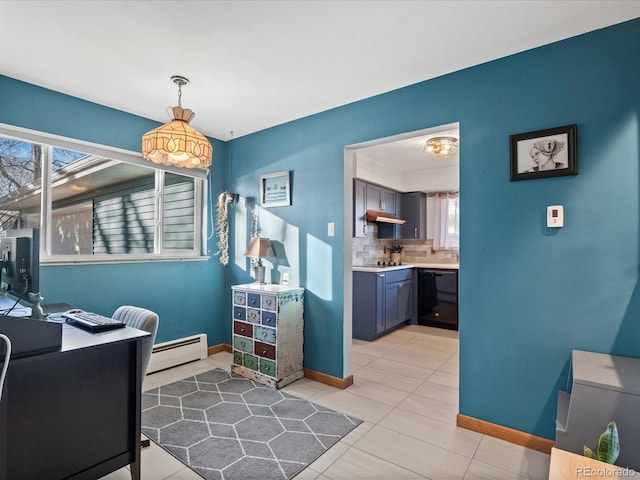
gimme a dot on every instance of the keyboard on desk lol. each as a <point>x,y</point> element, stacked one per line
<point>92,321</point>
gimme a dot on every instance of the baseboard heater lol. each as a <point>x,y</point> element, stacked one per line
<point>177,352</point>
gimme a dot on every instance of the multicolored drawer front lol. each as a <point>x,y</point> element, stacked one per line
<point>269,318</point>
<point>265,334</point>
<point>268,302</point>
<point>268,333</point>
<point>254,300</point>
<point>239,313</point>
<point>253,315</point>
<point>243,344</point>
<point>265,350</point>
<point>250,361</point>
<point>267,367</point>
<point>239,298</point>
<point>237,357</point>
<point>242,328</point>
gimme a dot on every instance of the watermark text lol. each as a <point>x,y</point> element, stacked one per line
<point>605,472</point>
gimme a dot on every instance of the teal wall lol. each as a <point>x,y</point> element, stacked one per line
<point>528,294</point>
<point>186,295</point>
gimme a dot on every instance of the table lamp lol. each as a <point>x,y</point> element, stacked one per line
<point>259,248</point>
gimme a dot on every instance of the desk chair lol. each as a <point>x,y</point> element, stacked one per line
<point>145,320</point>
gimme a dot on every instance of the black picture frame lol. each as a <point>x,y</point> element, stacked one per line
<point>544,153</point>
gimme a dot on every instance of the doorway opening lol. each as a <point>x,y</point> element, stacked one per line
<point>398,163</point>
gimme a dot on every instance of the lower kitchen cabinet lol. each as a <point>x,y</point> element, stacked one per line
<point>268,333</point>
<point>381,302</point>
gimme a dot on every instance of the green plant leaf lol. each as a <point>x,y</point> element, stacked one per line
<point>589,453</point>
<point>608,445</point>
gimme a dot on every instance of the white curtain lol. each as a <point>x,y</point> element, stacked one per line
<point>446,222</point>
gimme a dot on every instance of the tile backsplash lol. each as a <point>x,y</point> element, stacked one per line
<point>370,250</point>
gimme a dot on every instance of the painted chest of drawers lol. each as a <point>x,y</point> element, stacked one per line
<point>268,333</point>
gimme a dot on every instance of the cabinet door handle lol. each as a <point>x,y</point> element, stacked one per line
<point>415,232</point>
<point>380,205</point>
<point>381,275</point>
<point>364,229</point>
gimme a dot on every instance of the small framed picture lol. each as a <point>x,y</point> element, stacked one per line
<point>544,153</point>
<point>275,190</point>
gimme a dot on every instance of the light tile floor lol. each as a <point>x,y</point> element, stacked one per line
<point>409,414</point>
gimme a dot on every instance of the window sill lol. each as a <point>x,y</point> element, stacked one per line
<point>116,259</point>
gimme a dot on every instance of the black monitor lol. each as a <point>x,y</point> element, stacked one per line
<point>20,266</point>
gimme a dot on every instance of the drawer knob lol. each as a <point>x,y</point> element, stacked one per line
<point>264,352</point>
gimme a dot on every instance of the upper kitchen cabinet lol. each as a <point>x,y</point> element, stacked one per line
<point>359,208</point>
<point>381,199</point>
<point>367,196</point>
<point>414,212</point>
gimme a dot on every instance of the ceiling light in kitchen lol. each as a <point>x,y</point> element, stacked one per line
<point>441,146</point>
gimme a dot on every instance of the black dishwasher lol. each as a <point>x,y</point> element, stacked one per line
<point>438,297</point>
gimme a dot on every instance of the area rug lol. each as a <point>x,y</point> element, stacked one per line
<point>226,427</point>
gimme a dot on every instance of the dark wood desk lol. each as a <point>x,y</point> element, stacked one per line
<point>74,413</point>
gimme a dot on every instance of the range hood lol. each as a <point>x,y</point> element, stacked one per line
<point>384,217</point>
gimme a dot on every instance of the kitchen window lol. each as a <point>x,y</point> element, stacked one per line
<point>446,234</point>
<point>93,204</point>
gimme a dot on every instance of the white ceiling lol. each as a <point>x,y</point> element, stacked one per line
<point>256,64</point>
<point>405,152</point>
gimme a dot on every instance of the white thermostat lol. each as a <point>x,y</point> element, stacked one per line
<point>555,216</point>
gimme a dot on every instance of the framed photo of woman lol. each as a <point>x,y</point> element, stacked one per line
<point>544,153</point>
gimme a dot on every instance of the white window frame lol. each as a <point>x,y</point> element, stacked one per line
<point>49,141</point>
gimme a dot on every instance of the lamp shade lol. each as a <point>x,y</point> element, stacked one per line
<point>177,143</point>
<point>259,248</point>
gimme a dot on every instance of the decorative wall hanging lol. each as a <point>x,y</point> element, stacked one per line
<point>222,225</point>
<point>275,189</point>
<point>544,153</point>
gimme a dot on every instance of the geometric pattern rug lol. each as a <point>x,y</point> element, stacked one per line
<point>227,427</point>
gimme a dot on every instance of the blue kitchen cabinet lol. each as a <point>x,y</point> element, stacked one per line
<point>367,196</point>
<point>382,301</point>
<point>380,199</point>
<point>359,208</point>
<point>414,213</point>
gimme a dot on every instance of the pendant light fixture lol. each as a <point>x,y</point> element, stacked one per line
<point>177,143</point>
<point>441,146</point>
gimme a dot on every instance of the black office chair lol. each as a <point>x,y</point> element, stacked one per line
<point>146,320</point>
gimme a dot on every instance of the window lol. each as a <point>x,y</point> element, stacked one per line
<point>446,235</point>
<point>98,205</point>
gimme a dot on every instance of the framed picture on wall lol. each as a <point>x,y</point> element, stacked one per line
<point>544,153</point>
<point>275,189</point>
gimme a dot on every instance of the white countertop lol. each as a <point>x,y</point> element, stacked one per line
<point>380,268</point>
